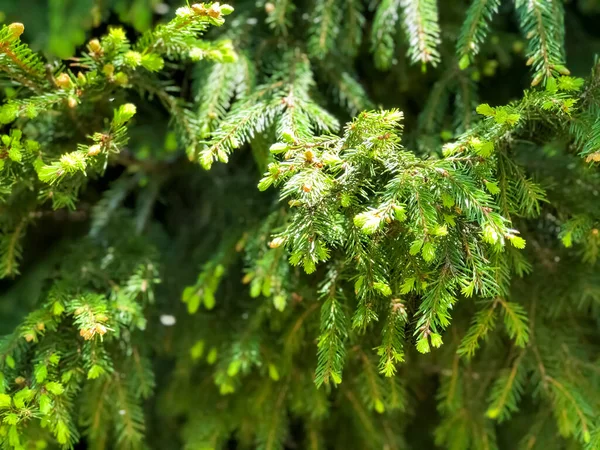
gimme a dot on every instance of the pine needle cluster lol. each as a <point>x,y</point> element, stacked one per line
<point>197,253</point>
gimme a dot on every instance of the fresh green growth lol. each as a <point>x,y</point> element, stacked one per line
<point>197,253</point>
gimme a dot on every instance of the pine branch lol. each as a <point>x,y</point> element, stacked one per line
<point>130,426</point>
<point>353,23</point>
<point>391,350</point>
<point>383,33</point>
<point>483,322</point>
<point>388,241</point>
<point>286,100</point>
<point>18,61</point>
<point>216,85</point>
<point>474,29</point>
<point>430,119</point>
<point>507,391</point>
<point>347,90</point>
<point>242,123</point>
<point>11,250</point>
<point>434,312</point>
<point>515,320</point>
<point>96,415</point>
<point>179,36</point>
<point>364,419</point>
<point>109,142</point>
<point>325,28</point>
<point>279,12</point>
<point>372,386</point>
<point>542,24</point>
<point>572,409</point>
<point>420,18</point>
<point>273,435</point>
<point>466,103</point>
<point>450,393</point>
<point>331,348</point>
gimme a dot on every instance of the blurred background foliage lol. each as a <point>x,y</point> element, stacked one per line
<point>58,27</point>
<point>189,218</point>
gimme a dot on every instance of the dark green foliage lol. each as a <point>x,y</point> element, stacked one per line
<point>417,279</point>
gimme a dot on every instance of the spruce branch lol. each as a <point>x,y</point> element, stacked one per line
<point>272,436</point>
<point>109,142</point>
<point>420,19</point>
<point>399,239</point>
<point>179,36</point>
<point>383,34</point>
<point>353,22</point>
<point>515,320</point>
<point>507,391</point>
<point>285,102</point>
<point>574,408</point>
<point>331,347</point>
<point>391,349</point>
<point>541,22</point>
<point>325,27</point>
<point>483,323</point>
<point>11,249</point>
<point>18,61</point>
<point>474,29</point>
<point>279,12</point>
<point>347,91</point>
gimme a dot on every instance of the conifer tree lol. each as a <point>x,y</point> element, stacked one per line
<point>299,224</point>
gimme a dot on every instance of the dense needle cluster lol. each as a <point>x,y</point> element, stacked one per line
<point>196,252</point>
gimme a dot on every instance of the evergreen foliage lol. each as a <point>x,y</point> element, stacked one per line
<point>197,253</point>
